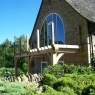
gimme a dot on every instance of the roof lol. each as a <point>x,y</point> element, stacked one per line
<point>85,7</point>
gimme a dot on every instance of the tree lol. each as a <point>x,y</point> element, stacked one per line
<point>7,52</point>
<point>23,42</point>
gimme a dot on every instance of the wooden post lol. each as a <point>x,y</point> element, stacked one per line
<point>52,24</point>
<point>38,45</point>
<point>14,49</point>
<point>55,57</point>
<point>29,64</point>
<point>27,42</point>
<point>16,66</point>
<point>20,46</point>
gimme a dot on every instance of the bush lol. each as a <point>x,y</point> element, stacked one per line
<point>69,69</point>
<point>59,70</point>
<point>56,70</point>
<point>49,80</point>
<point>67,90</point>
<point>64,82</point>
<point>31,90</point>
<point>3,71</point>
<point>47,90</point>
<point>17,88</point>
<point>89,90</point>
<point>84,70</point>
<point>78,79</point>
<point>9,88</point>
<point>25,68</point>
<point>11,71</point>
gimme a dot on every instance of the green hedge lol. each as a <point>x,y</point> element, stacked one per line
<point>11,71</point>
<point>49,80</point>
<point>59,70</point>
<point>70,79</point>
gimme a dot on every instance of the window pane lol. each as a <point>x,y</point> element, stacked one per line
<point>45,29</point>
<point>60,31</point>
<point>49,18</point>
<point>49,33</point>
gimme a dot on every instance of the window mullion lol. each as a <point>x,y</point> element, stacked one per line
<point>44,34</point>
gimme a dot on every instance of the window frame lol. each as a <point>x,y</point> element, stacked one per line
<point>61,62</point>
<point>42,63</point>
<point>57,15</point>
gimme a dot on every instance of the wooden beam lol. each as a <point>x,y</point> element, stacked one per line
<point>20,46</point>
<point>49,49</point>
<point>38,43</point>
<point>14,49</point>
<point>30,58</point>
<point>16,66</point>
<point>55,58</point>
<point>27,39</point>
<point>52,24</point>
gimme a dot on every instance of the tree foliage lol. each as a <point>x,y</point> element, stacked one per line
<point>7,52</point>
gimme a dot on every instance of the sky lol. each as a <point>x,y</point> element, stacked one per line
<point>17,17</point>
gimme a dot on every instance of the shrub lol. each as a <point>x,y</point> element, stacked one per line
<point>67,90</point>
<point>31,90</point>
<point>65,81</point>
<point>84,70</point>
<point>11,71</point>
<point>59,70</point>
<point>89,90</point>
<point>9,88</point>
<point>25,68</point>
<point>3,71</point>
<point>16,88</point>
<point>50,91</point>
<point>70,68</point>
<point>49,80</point>
<point>56,70</point>
<point>69,78</point>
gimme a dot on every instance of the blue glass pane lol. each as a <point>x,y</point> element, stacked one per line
<point>49,34</point>
<point>49,18</point>
<point>45,31</point>
<point>60,31</point>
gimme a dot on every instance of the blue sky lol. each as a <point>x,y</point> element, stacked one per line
<point>17,17</point>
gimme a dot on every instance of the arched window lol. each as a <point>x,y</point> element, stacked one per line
<point>46,30</point>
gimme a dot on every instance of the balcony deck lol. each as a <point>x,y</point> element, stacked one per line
<point>49,49</point>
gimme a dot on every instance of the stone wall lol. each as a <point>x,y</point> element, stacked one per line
<point>76,31</point>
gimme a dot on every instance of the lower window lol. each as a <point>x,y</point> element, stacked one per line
<point>61,62</point>
<point>43,66</point>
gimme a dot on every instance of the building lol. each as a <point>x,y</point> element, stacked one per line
<point>63,33</point>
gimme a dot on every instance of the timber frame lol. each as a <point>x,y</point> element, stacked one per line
<point>54,52</point>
